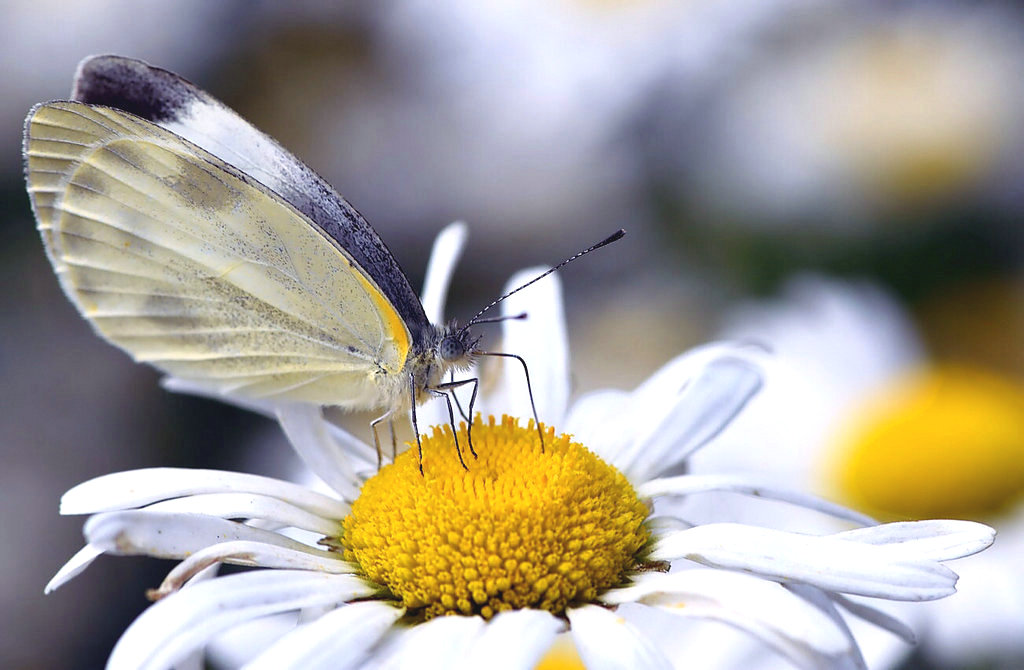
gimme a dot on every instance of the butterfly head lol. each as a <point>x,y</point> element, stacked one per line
<point>456,347</point>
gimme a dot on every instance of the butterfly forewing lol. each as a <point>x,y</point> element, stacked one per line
<point>187,263</point>
<point>175,104</point>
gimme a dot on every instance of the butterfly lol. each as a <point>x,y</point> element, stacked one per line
<point>197,244</point>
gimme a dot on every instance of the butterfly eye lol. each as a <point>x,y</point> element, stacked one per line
<point>451,348</point>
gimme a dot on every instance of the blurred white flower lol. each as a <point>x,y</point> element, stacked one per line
<point>862,110</point>
<point>520,113</point>
<point>855,411</point>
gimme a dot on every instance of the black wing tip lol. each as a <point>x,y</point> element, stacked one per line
<point>133,86</point>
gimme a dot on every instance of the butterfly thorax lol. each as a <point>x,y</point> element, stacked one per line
<point>445,349</point>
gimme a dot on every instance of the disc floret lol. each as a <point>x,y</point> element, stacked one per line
<point>522,528</point>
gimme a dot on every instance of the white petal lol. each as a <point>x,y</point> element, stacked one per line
<point>444,256</point>
<point>253,554</point>
<point>167,535</point>
<point>606,641</point>
<point>745,484</point>
<point>766,610</point>
<point>194,661</point>
<point>877,617</point>
<point>74,567</point>
<point>939,539</point>
<point>337,640</point>
<point>680,424</point>
<point>672,377</point>
<point>596,420</point>
<point>191,387</point>
<point>249,506</point>
<point>355,448</point>
<point>822,600</point>
<point>595,407</point>
<point>135,488</point>
<point>677,410</point>
<point>825,562</point>
<point>312,439</point>
<point>440,643</point>
<point>181,623</point>
<point>242,643</point>
<point>662,525</point>
<point>362,455</point>
<point>514,640</point>
<point>542,341</point>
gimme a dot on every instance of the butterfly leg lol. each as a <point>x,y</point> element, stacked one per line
<point>450,387</point>
<point>415,424</point>
<point>451,384</point>
<point>529,389</point>
<point>394,442</point>
<point>451,418</point>
<point>376,436</point>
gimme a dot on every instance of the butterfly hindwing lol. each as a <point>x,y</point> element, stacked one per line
<point>189,264</point>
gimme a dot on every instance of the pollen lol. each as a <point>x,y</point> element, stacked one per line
<point>524,526</point>
<point>943,442</point>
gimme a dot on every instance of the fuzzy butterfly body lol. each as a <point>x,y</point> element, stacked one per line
<point>197,244</point>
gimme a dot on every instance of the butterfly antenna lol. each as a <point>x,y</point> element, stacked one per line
<point>498,319</point>
<point>617,235</point>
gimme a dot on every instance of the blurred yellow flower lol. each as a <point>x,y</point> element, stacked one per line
<point>947,440</point>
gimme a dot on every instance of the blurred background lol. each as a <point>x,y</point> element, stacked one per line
<point>843,181</point>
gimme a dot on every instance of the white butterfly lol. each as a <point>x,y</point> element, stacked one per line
<point>199,245</point>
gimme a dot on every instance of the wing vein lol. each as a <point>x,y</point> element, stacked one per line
<point>329,308</point>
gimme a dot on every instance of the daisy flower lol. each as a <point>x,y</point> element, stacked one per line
<point>487,565</point>
<point>863,405</point>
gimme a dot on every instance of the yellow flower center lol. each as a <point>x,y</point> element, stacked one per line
<point>945,442</point>
<point>521,528</point>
